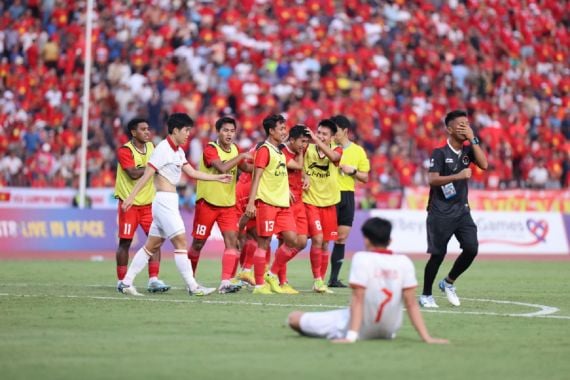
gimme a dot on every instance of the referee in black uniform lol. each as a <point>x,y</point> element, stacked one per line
<point>448,208</point>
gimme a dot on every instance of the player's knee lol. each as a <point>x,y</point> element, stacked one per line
<point>301,243</point>
<point>294,320</point>
<point>471,249</point>
<point>198,244</point>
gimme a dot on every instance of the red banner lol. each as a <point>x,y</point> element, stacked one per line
<point>504,200</point>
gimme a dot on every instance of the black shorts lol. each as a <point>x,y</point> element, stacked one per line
<point>345,209</point>
<point>440,230</point>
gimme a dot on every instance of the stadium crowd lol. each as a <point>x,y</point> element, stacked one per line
<point>393,67</point>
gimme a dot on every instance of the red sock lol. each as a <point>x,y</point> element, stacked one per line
<point>153,268</point>
<point>315,256</point>
<point>324,262</point>
<point>268,257</point>
<point>229,261</point>
<point>249,250</point>
<point>283,271</point>
<point>193,256</point>
<point>282,256</point>
<point>259,265</point>
<point>121,272</point>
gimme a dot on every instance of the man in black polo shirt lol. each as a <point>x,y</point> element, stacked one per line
<point>448,208</point>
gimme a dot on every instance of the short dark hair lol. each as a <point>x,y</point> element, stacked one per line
<point>341,122</point>
<point>328,123</point>
<point>225,120</point>
<point>454,115</point>
<point>134,123</point>
<point>377,231</point>
<point>178,120</point>
<point>298,131</point>
<point>270,122</point>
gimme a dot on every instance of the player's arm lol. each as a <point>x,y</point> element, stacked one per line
<point>356,312</point>
<point>148,174</point>
<point>196,174</point>
<point>478,154</point>
<point>224,167</point>
<point>333,154</point>
<point>250,208</point>
<point>297,162</point>
<point>246,166</point>
<point>359,175</point>
<point>416,318</point>
<point>436,166</point>
<point>127,162</point>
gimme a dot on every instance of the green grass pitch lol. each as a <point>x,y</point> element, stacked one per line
<point>65,320</point>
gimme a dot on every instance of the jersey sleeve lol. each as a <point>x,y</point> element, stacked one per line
<point>210,155</point>
<point>436,161</point>
<point>262,157</point>
<point>471,153</point>
<point>409,274</point>
<point>363,162</point>
<point>125,158</point>
<point>158,158</point>
<point>358,271</point>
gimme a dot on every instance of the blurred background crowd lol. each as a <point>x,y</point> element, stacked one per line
<point>393,67</point>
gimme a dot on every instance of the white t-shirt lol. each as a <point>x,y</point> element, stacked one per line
<point>167,159</point>
<point>384,276</point>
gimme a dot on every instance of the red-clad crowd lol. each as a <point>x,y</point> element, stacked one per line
<point>393,67</point>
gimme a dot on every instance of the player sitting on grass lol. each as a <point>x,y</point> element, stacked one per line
<point>381,284</point>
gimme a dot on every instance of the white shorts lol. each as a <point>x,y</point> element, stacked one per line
<point>325,324</point>
<point>166,219</point>
<point>334,325</point>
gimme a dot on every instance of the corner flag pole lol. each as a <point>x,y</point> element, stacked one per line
<point>86,90</point>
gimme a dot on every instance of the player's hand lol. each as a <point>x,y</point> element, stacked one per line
<point>250,211</point>
<point>465,130</point>
<point>431,340</point>
<point>465,173</point>
<point>126,205</point>
<point>342,340</point>
<point>225,178</point>
<point>306,183</point>
<point>347,169</point>
<point>246,157</point>
<point>311,133</point>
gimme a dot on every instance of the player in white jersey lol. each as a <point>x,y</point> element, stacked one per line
<point>381,284</point>
<point>166,165</point>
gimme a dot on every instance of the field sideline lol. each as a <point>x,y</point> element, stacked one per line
<point>64,319</point>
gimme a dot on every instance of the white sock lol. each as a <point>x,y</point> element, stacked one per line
<point>139,262</point>
<point>185,269</point>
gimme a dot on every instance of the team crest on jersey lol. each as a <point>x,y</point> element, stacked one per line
<point>465,160</point>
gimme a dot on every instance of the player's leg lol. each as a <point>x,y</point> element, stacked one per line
<point>328,324</point>
<point>316,234</point>
<point>140,261</point>
<point>126,230</point>
<point>230,259</point>
<point>154,283</point>
<point>330,227</point>
<point>247,253</point>
<point>204,218</point>
<point>439,231</point>
<point>265,220</point>
<point>184,266</point>
<point>466,234</point>
<point>345,217</point>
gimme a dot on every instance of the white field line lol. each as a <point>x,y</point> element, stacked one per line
<point>543,312</point>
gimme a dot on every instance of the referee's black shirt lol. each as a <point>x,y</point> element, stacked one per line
<point>447,162</point>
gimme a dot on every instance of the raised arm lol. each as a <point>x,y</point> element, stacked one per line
<point>479,155</point>
<point>333,155</point>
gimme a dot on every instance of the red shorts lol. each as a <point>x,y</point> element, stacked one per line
<point>300,215</point>
<point>322,220</point>
<point>272,219</point>
<point>132,218</point>
<point>206,214</point>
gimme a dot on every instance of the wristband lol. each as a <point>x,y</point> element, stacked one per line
<point>474,141</point>
<point>354,173</point>
<point>351,335</point>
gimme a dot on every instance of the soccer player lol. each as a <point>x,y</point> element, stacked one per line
<point>166,165</point>
<point>381,284</point>
<point>320,166</point>
<point>269,203</point>
<point>354,166</point>
<point>294,150</point>
<point>448,207</point>
<point>216,202</point>
<point>133,157</point>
